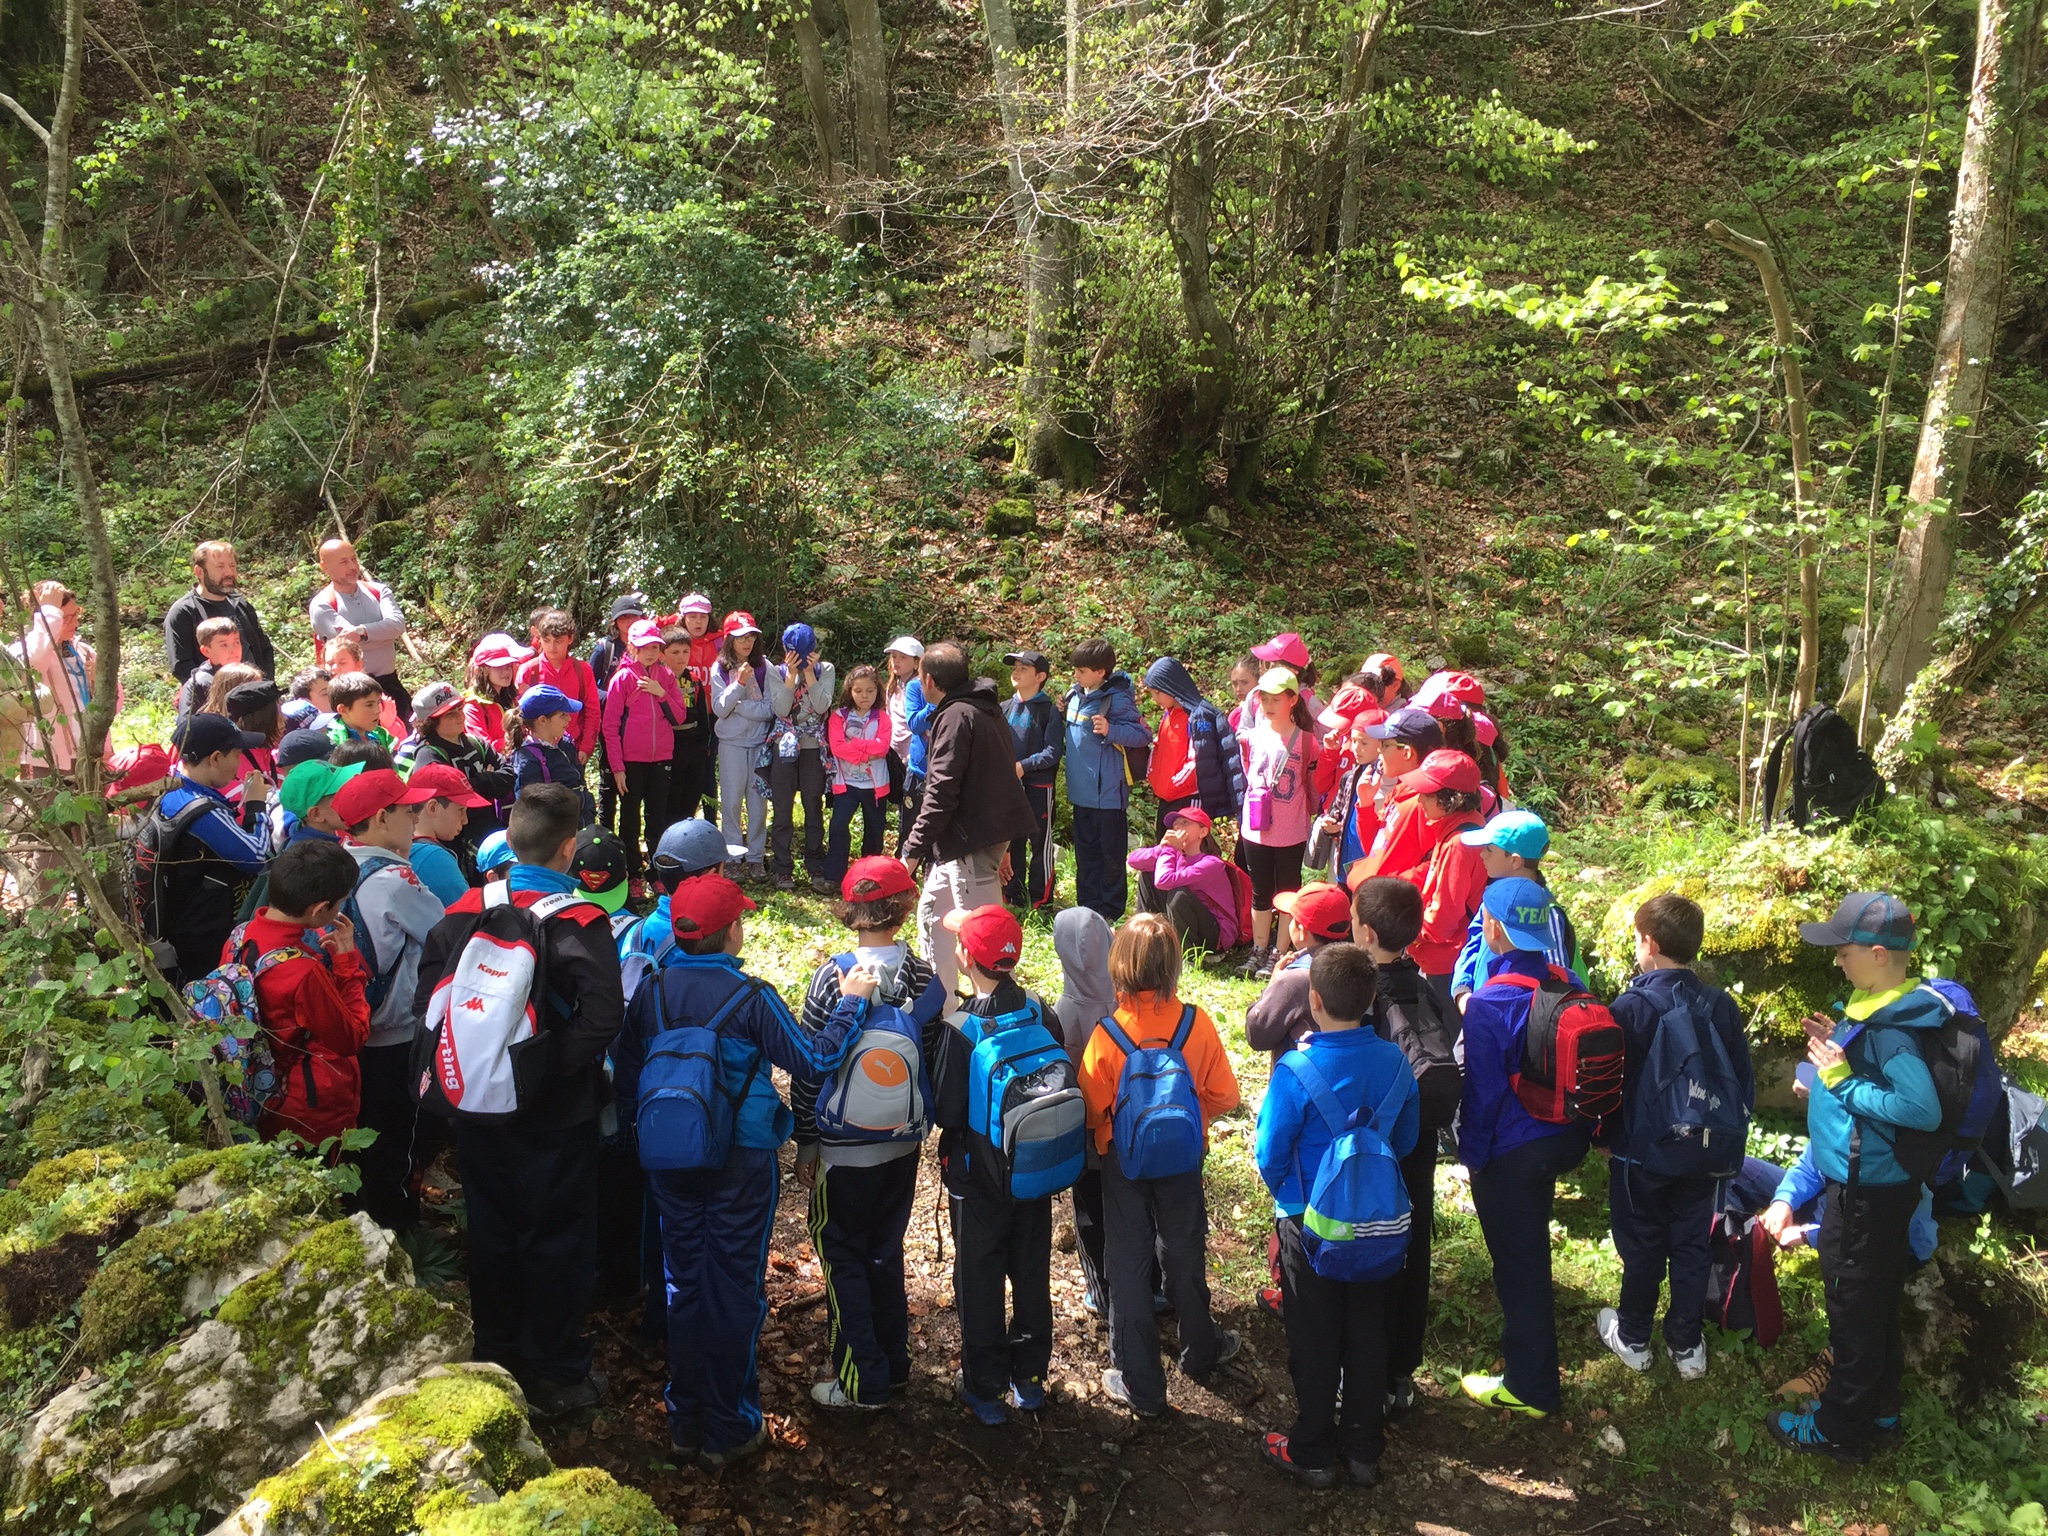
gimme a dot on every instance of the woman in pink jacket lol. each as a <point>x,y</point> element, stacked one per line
<point>857,739</point>
<point>64,665</point>
<point>641,710</point>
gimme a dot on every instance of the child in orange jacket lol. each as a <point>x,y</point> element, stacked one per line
<point>1166,1215</point>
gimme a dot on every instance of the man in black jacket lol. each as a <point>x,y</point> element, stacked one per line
<point>973,804</point>
<point>530,1182</point>
<point>214,596</point>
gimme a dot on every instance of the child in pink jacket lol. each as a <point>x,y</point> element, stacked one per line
<point>641,709</point>
<point>857,740</point>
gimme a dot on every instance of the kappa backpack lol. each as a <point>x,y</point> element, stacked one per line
<point>1831,774</point>
<point>1429,1039</point>
<point>1156,1124</point>
<point>480,1052</point>
<point>1689,1114</point>
<point>155,846</point>
<point>1026,1120</point>
<point>1742,1277</point>
<point>686,1118</point>
<point>224,1000</point>
<point>1571,1068</point>
<point>1355,1226</point>
<point>881,1093</point>
<point>1967,1082</point>
<point>377,978</point>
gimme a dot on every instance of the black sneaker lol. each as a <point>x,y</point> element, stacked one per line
<point>551,1400</point>
<point>1275,1452</point>
<point>1363,1473</point>
<point>1400,1396</point>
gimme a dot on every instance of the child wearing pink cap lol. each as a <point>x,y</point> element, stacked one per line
<point>492,667</point>
<point>640,708</point>
<point>693,771</point>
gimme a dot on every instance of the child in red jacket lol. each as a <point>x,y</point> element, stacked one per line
<point>312,1004</point>
<point>1453,883</point>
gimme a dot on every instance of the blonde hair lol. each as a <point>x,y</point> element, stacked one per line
<point>1145,957</point>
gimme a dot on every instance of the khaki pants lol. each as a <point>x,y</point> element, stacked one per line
<point>966,883</point>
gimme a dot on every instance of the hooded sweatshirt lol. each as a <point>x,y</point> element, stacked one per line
<point>1097,777</point>
<point>1081,938</point>
<point>740,700</point>
<point>396,912</point>
<point>1883,1084</point>
<point>1215,773</point>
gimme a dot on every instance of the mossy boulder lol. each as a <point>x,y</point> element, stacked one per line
<point>586,1501</point>
<point>457,1436</point>
<point>1681,784</point>
<point>1011,517</point>
<point>1676,733</point>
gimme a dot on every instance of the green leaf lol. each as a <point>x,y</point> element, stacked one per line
<point>1924,1498</point>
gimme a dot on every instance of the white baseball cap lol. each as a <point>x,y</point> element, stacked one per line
<point>907,645</point>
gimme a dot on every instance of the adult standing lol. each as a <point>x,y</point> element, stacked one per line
<point>973,803</point>
<point>214,595</point>
<point>354,607</point>
<point>63,665</point>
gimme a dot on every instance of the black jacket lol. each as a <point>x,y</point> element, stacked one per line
<point>181,632</point>
<point>972,795</point>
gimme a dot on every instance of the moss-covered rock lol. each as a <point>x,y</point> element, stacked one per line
<point>1010,517</point>
<point>457,1436</point>
<point>586,1501</point>
<point>1681,784</point>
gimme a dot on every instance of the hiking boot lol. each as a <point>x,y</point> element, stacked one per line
<point>718,1461</point>
<point>1492,1392</point>
<point>1812,1381</point>
<point>757,872</point>
<point>830,1394</point>
<point>784,881</point>
<point>1227,1347</point>
<point>1364,1473</point>
<point>1691,1363</point>
<point>551,1400</point>
<point>1114,1389</point>
<point>1275,1452</point>
<point>824,887</point>
<point>1799,1432</point>
<point>1400,1398</point>
<point>735,871</point>
<point>987,1409</point>
<point>1635,1357</point>
<point>1027,1396</point>
<point>1258,963</point>
<point>1272,1302</point>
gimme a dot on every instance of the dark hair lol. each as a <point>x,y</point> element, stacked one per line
<point>1096,655</point>
<point>552,621</point>
<point>675,634</point>
<point>703,943</point>
<point>731,658</point>
<point>302,682</point>
<point>1678,925</point>
<point>1391,908</point>
<point>884,912</point>
<point>210,630</point>
<point>1250,663</point>
<point>357,750</point>
<point>861,673</point>
<point>1307,673</point>
<point>946,664</point>
<point>544,817</point>
<point>309,872</point>
<point>1457,802</point>
<point>1461,734</point>
<point>351,688</point>
<point>1345,978</point>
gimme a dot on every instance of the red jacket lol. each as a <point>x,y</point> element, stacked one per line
<point>1404,843</point>
<point>1172,771</point>
<point>574,678</point>
<point>1453,885</point>
<point>317,1020</point>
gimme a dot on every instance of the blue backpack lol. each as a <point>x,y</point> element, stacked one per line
<point>1968,1083</point>
<point>1689,1115</point>
<point>881,1093</point>
<point>1356,1225</point>
<point>686,1118</point>
<point>1156,1124</point>
<point>1026,1120</point>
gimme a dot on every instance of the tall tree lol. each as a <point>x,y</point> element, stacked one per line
<point>867,75</point>
<point>824,114</point>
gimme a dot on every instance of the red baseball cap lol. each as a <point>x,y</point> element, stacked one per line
<point>1345,708</point>
<point>137,767</point>
<point>705,903</point>
<point>991,936</point>
<point>1320,907</point>
<point>1442,769</point>
<point>1193,815</point>
<point>374,790</point>
<point>1454,687</point>
<point>1380,661</point>
<point>446,782</point>
<point>876,878</point>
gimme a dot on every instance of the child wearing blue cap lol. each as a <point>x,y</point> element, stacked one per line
<point>545,757</point>
<point>801,692</point>
<point>1512,844</point>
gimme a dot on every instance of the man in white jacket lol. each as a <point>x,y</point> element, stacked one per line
<point>352,606</point>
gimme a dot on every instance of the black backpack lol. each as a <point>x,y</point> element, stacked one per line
<point>1742,1278</point>
<point>1831,774</point>
<point>1416,1022</point>
<point>1968,1083</point>
<point>155,846</point>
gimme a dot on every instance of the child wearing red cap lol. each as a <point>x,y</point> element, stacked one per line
<point>739,698</point>
<point>1191,886</point>
<point>1447,797</point>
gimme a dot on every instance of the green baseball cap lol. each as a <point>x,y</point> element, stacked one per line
<point>310,783</point>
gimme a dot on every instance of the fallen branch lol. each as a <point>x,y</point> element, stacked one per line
<point>802,1303</point>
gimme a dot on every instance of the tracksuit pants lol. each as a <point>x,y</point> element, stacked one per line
<point>739,785</point>
<point>643,806</point>
<point>858,1218</point>
<point>1193,921</point>
<point>1865,1256</point>
<point>391,1109</point>
<point>995,1241</point>
<point>1513,1196</point>
<point>1031,866</point>
<point>1170,1218</point>
<point>1336,1333</point>
<point>532,1200</point>
<point>689,777</point>
<point>1102,841</point>
<point>1406,1303</point>
<point>715,1228</point>
<point>789,777</point>
<point>1660,1224</point>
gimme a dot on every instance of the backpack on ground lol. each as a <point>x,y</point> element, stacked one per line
<point>1429,1040</point>
<point>1742,1278</point>
<point>686,1118</point>
<point>1355,1226</point>
<point>1026,1119</point>
<point>1572,1052</point>
<point>377,978</point>
<point>1156,1124</point>
<point>1967,1082</point>
<point>881,1093</point>
<point>224,1000</point>
<point>1831,774</point>
<point>1689,1115</point>
<point>480,1052</point>
<point>155,846</point>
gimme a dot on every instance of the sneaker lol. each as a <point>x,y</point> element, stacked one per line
<point>1364,1473</point>
<point>1227,1347</point>
<point>1492,1392</point>
<point>688,1449</point>
<point>1274,1452</point>
<point>1160,1305</point>
<point>1812,1381</point>
<point>989,1410</point>
<point>1636,1358</point>
<point>1091,1304</point>
<point>1889,1431</point>
<point>1267,957</point>
<point>1114,1389</point>
<point>757,872</point>
<point>551,1400</point>
<point>824,887</point>
<point>1272,1302</point>
<point>718,1461</point>
<point>1691,1363</point>
<point>735,871</point>
<point>830,1394</point>
<point>1400,1398</point>
<point>784,881</point>
<point>1257,958</point>
<point>1799,1432</point>
<point>1028,1396</point>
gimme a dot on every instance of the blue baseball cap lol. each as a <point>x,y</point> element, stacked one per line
<point>1522,907</point>
<point>547,699</point>
<point>1417,728</point>
<point>690,847</point>
<point>800,640</point>
<point>495,852</point>
<point>1865,917</point>
<point>1518,832</point>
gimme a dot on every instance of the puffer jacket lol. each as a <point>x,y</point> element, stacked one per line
<point>1219,764</point>
<point>1097,775</point>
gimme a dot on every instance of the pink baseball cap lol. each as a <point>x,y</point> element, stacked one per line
<point>499,650</point>
<point>1288,649</point>
<point>645,632</point>
<point>696,602</point>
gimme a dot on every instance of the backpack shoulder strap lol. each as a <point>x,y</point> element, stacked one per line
<point>275,957</point>
<point>498,894</point>
<point>1397,1091</point>
<point>1311,1078</point>
<point>1185,1028</point>
<point>555,903</point>
<point>1118,1038</point>
<point>1772,766</point>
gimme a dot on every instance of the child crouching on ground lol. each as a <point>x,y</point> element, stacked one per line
<point>1187,884</point>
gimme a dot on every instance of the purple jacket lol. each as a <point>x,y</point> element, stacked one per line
<point>1204,874</point>
<point>635,730</point>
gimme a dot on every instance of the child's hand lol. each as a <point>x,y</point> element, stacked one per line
<point>1777,1216</point>
<point>620,780</point>
<point>1020,770</point>
<point>1824,1054</point>
<point>1102,725</point>
<point>1818,1026</point>
<point>340,937</point>
<point>860,982</point>
<point>255,789</point>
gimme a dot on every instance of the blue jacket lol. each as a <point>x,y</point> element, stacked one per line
<point>1491,1119</point>
<point>1097,777</point>
<point>1219,765</point>
<point>1361,1070</point>
<point>1642,1004</point>
<point>535,762</point>
<point>1036,734</point>
<point>694,987</point>
<point>1470,971</point>
<point>1886,1084</point>
<point>918,716</point>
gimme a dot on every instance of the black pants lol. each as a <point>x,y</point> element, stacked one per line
<point>1273,870</point>
<point>1864,1260</point>
<point>397,693</point>
<point>1102,844</point>
<point>858,1217</point>
<point>1407,1294</point>
<point>1031,871</point>
<point>907,803</point>
<point>1660,1224</point>
<point>1513,1196</point>
<point>1193,921</point>
<point>689,777</point>
<point>1088,1237</point>
<point>391,1110</point>
<point>532,1201</point>
<point>1168,1218</point>
<point>645,799</point>
<point>607,790</point>
<point>996,1241</point>
<point>1336,1337</point>
<point>789,777</point>
<point>846,804</point>
<point>621,1224</point>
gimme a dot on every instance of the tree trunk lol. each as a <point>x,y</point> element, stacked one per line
<point>1965,344</point>
<point>810,47</point>
<point>867,72</point>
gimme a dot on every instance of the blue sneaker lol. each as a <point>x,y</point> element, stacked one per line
<point>989,1411</point>
<point>1889,1431</point>
<point>1799,1432</point>
<point>1027,1396</point>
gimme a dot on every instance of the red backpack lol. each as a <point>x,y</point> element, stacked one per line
<point>1571,1052</point>
<point>1241,892</point>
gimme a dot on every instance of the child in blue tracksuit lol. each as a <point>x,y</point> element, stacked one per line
<point>1515,1159</point>
<point>1512,843</point>
<point>1102,720</point>
<point>1663,1221</point>
<point>1039,739</point>
<point>1336,1331</point>
<point>1871,1084</point>
<point>716,1223</point>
